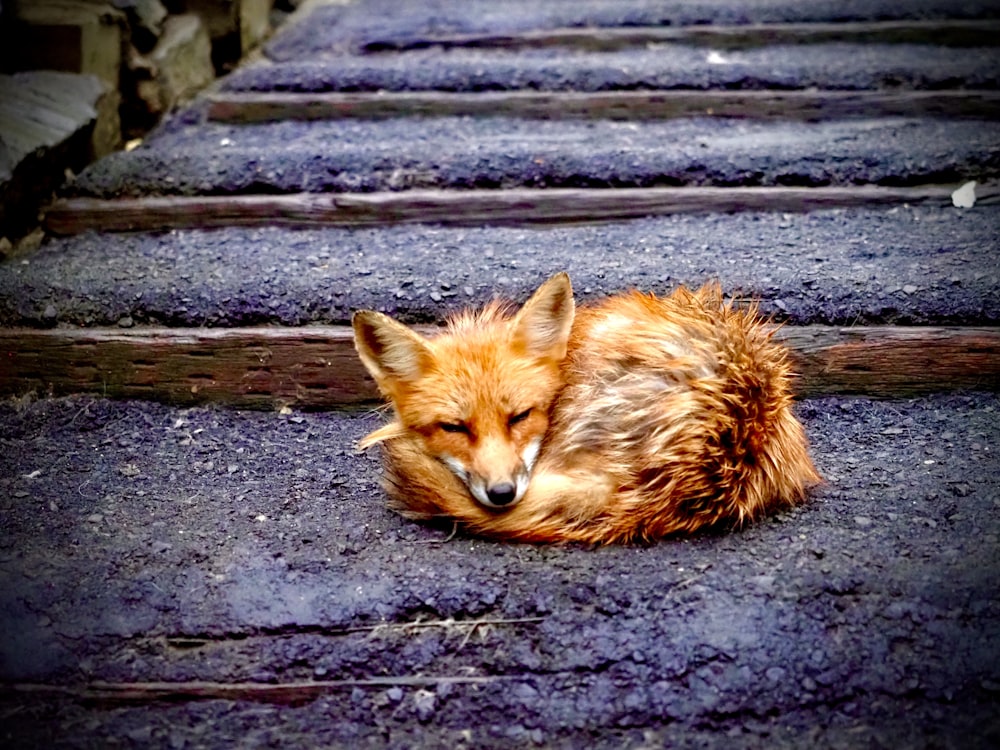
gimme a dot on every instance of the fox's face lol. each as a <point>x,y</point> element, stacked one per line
<point>477,397</point>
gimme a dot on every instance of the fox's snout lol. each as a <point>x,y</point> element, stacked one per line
<point>500,494</point>
<point>490,485</point>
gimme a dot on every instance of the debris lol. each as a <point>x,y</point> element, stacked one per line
<point>965,196</point>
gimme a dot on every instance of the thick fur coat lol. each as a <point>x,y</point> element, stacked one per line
<point>633,418</point>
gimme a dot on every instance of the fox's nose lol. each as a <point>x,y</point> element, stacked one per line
<point>502,494</point>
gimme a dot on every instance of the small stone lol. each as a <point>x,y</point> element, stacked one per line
<point>50,312</point>
<point>425,703</point>
<point>126,322</point>
<point>910,289</point>
<point>395,694</point>
<point>863,521</point>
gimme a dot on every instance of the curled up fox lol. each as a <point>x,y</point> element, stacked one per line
<point>633,418</point>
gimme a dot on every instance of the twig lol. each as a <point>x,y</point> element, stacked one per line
<point>448,623</point>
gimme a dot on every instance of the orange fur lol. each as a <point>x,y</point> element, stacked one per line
<point>634,418</point>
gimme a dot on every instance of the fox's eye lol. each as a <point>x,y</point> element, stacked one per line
<point>519,417</point>
<point>453,427</point>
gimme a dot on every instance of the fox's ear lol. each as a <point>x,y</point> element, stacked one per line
<point>389,350</point>
<point>542,326</point>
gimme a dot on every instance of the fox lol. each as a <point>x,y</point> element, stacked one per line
<point>629,419</point>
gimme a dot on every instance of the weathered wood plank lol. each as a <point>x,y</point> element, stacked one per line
<point>288,692</point>
<point>893,361</point>
<point>953,32</point>
<point>250,367</point>
<point>251,107</point>
<point>316,367</point>
<point>518,206</point>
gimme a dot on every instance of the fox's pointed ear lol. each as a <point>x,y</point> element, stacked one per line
<point>390,351</point>
<point>542,326</point>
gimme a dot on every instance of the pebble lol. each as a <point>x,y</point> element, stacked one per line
<point>425,703</point>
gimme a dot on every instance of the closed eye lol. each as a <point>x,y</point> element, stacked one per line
<point>453,427</point>
<point>519,417</point>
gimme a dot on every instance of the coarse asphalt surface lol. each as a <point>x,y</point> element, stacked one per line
<point>906,265</point>
<point>142,542</point>
<point>190,157</point>
<point>341,29</point>
<point>662,67</point>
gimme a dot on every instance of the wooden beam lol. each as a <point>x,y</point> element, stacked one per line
<point>251,107</point>
<point>316,367</point>
<point>258,367</point>
<point>516,206</point>
<point>893,360</point>
<point>943,32</point>
<point>288,692</point>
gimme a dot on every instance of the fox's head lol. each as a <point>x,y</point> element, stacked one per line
<point>476,398</point>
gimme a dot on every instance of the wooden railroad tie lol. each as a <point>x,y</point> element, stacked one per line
<point>315,367</point>
<point>511,207</point>
<point>240,107</point>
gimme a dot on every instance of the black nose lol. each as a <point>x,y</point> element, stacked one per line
<point>502,494</point>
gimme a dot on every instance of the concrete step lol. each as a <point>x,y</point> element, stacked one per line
<point>825,66</point>
<point>198,158</point>
<point>856,268</point>
<point>346,28</point>
<point>917,265</point>
<point>236,555</point>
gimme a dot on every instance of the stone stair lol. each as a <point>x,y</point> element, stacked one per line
<point>179,574</point>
